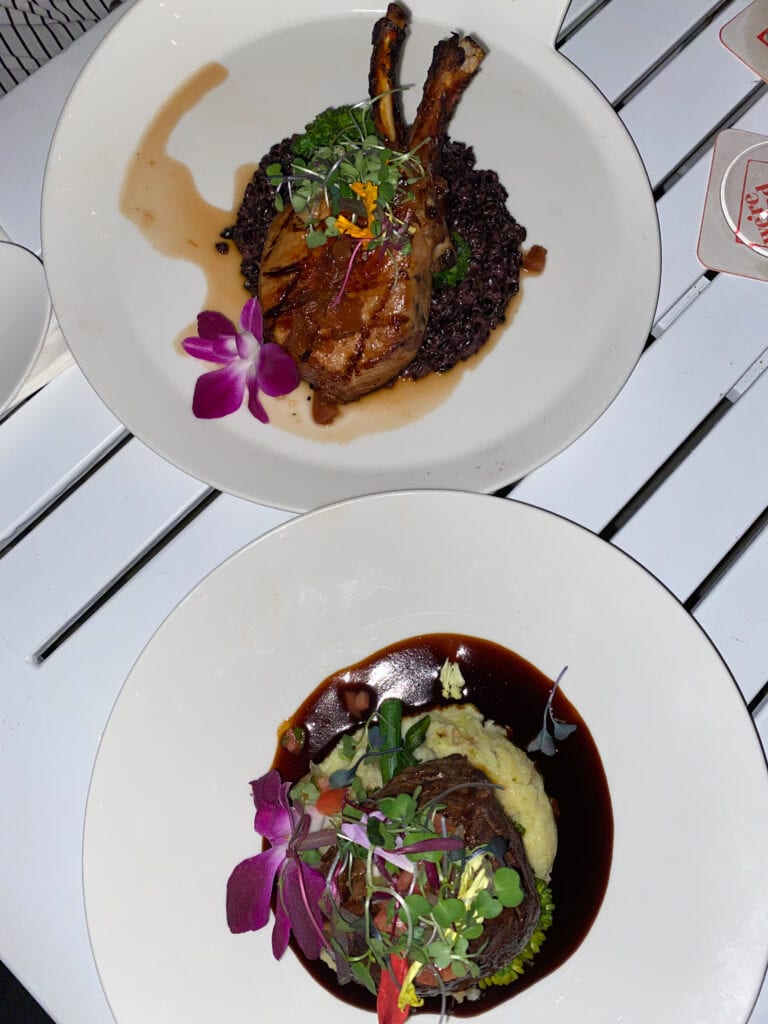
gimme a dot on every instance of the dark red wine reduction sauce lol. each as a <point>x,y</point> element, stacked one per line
<point>511,692</point>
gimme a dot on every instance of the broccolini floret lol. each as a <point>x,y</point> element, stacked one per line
<point>332,124</point>
<point>454,275</point>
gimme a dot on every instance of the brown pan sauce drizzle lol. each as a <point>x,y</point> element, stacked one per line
<point>508,690</point>
<point>160,197</point>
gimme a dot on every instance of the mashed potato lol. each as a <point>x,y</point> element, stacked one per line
<point>461,729</point>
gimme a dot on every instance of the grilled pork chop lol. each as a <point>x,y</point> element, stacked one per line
<point>353,317</point>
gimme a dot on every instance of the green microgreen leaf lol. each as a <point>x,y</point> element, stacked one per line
<point>339,148</point>
<point>418,835</point>
<point>401,808</point>
<point>439,953</point>
<point>416,735</point>
<point>362,975</point>
<point>448,912</point>
<point>375,832</point>
<point>418,905</point>
<point>312,857</point>
<point>347,750</point>
<point>507,888</point>
<point>306,791</point>
<point>386,192</point>
<point>485,906</point>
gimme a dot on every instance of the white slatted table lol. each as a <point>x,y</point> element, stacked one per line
<point>99,538</point>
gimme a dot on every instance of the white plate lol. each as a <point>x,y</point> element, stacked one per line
<point>25,311</point>
<point>682,936</point>
<point>574,177</point>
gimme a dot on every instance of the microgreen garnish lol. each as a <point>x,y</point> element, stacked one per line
<point>552,728</point>
<point>345,180</point>
<point>379,885</point>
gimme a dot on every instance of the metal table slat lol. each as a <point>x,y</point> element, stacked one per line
<point>77,685</point>
<point>675,385</point>
<point>691,522</point>
<point>649,31</point>
<point>100,529</point>
<point>66,427</point>
<point>577,9</point>
<point>735,615</point>
<point>28,115</point>
<point>691,94</point>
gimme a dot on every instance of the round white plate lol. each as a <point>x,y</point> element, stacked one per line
<point>682,935</point>
<point>25,311</point>
<point>574,177</point>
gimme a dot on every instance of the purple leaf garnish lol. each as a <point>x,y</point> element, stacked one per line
<point>552,728</point>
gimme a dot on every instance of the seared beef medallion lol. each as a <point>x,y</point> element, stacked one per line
<point>473,813</point>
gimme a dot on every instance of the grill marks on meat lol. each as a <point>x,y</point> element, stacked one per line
<point>473,812</point>
<point>346,348</point>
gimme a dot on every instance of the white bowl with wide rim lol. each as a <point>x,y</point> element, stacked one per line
<point>682,934</point>
<point>574,177</point>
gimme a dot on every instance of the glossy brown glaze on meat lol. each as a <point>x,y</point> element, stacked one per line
<point>472,811</point>
<point>352,324</point>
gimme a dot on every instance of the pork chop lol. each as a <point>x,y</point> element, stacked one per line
<point>352,313</point>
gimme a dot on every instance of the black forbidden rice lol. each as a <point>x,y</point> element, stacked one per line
<point>461,319</point>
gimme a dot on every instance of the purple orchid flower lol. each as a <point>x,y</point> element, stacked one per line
<point>358,833</point>
<point>248,363</point>
<point>299,886</point>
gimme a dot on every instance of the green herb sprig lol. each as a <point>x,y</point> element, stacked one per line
<point>455,275</point>
<point>434,920</point>
<point>341,150</point>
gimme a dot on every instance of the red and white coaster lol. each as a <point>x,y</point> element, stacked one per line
<point>734,227</point>
<point>746,36</point>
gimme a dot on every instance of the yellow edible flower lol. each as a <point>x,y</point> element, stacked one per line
<point>474,878</point>
<point>369,193</point>
<point>346,227</point>
<point>408,995</point>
